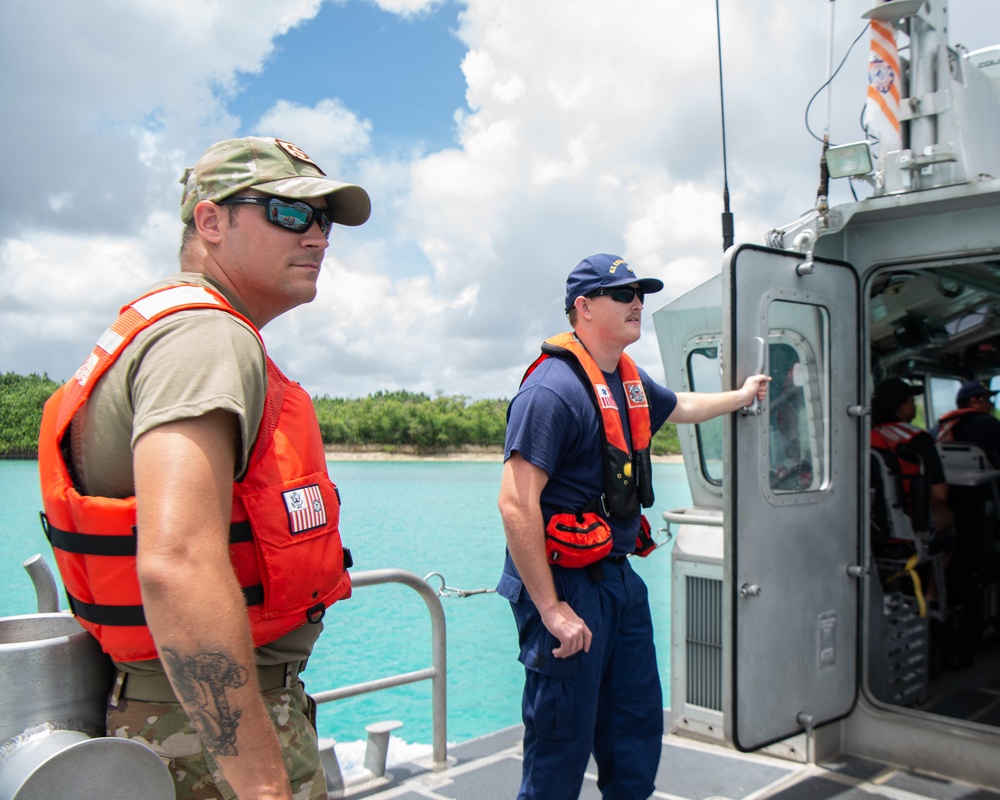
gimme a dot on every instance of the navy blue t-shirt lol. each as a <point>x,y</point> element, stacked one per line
<point>982,429</point>
<point>553,423</point>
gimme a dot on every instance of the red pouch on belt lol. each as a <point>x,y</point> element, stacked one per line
<point>644,544</point>
<point>576,540</point>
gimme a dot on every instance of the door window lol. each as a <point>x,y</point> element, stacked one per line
<point>798,397</point>
<point>705,375</point>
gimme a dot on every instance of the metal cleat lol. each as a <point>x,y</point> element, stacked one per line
<point>331,766</point>
<point>378,745</point>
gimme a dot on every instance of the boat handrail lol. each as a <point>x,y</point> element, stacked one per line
<point>436,673</point>
<point>689,516</point>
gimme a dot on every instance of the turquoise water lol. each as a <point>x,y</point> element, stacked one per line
<point>423,516</point>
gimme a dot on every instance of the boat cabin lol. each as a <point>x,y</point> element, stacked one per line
<point>811,613</point>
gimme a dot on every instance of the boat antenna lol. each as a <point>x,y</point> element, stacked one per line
<point>727,215</point>
<point>823,191</point>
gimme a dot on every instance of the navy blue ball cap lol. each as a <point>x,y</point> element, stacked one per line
<point>604,271</point>
<point>970,389</point>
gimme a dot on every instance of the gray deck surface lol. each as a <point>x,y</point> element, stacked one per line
<point>489,768</point>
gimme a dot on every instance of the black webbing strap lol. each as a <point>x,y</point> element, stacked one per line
<point>94,545</point>
<point>239,533</point>
<point>133,615</point>
<point>596,505</point>
<point>254,595</point>
<point>90,544</point>
<point>107,615</point>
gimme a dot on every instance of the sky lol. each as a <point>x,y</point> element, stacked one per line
<point>501,141</point>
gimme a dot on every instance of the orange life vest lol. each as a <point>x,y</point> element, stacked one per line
<point>284,539</point>
<point>890,436</point>
<point>946,429</point>
<point>628,474</point>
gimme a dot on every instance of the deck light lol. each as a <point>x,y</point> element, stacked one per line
<point>849,160</point>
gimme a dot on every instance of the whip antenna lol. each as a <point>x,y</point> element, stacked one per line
<point>727,216</point>
<point>823,190</point>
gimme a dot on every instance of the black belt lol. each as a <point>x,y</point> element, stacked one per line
<point>597,571</point>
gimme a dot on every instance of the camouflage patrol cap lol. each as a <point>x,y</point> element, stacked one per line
<point>270,166</point>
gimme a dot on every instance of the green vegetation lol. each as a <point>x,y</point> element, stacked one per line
<point>390,419</point>
<point>665,441</point>
<point>386,420</point>
<point>21,401</point>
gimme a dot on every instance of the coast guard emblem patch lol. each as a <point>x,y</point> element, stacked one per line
<point>635,394</point>
<point>604,396</point>
<point>881,75</point>
<point>305,508</point>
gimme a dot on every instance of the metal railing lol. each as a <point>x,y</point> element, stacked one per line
<point>437,672</point>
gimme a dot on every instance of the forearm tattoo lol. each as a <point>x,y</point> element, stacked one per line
<point>201,682</point>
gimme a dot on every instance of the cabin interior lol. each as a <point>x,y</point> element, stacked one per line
<point>934,617</point>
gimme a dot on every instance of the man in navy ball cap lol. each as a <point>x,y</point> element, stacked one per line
<point>605,271</point>
<point>576,476</point>
<point>973,420</point>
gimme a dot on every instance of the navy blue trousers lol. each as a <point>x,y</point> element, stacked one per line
<point>607,702</point>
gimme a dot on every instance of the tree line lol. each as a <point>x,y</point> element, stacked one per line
<point>385,419</point>
<point>21,401</point>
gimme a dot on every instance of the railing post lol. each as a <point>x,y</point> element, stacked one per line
<point>438,673</point>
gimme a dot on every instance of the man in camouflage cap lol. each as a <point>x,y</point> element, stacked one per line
<point>181,419</point>
<point>273,167</point>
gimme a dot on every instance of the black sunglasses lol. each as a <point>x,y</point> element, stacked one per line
<point>287,214</point>
<point>621,295</point>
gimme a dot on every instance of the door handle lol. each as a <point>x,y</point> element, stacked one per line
<point>754,408</point>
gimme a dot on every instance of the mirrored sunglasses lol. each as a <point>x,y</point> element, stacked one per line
<point>287,214</point>
<point>623,294</point>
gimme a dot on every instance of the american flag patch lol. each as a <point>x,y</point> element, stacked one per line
<point>305,508</point>
<point>604,396</point>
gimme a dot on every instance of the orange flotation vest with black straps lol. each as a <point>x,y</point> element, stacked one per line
<point>628,476</point>
<point>946,428</point>
<point>893,435</point>
<point>285,542</point>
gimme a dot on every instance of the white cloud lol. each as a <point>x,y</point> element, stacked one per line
<point>589,127</point>
<point>334,133</point>
<point>408,8</point>
<point>60,291</point>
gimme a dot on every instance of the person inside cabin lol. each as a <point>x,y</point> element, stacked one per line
<point>203,468</point>
<point>973,420</point>
<point>576,475</point>
<point>893,411</point>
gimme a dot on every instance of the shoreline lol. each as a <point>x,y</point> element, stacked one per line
<point>470,453</point>
<point>377,453</point>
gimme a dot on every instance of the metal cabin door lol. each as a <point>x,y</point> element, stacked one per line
<point>791,487</point>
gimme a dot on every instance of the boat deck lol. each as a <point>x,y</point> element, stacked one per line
<point>489,768</point>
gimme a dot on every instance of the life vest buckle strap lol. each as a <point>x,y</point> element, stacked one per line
<point>316,613</point>
<point>89,544</point>
<point>45,525</point>
<point>106,615</point>
<point>254,595</point>
<point>597,505</point>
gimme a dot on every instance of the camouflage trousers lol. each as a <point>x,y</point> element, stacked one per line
<point>167,730</point>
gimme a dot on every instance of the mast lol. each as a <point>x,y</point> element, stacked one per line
<point>727,216</point>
